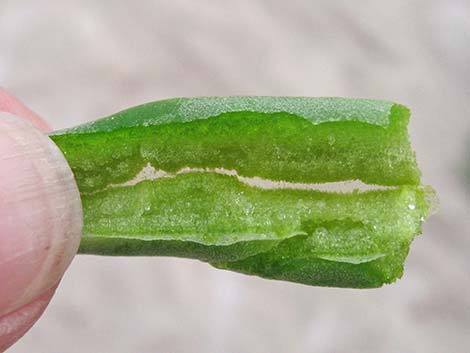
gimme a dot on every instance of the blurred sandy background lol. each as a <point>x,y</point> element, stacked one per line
<point>73,61</point>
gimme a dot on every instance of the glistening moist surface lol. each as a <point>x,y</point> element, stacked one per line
<point>234,181</point>
<point>281,233</point>
<point>334,139</point>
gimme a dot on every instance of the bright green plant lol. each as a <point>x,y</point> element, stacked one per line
<point>242,183</point>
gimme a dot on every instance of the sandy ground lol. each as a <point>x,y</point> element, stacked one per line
<point>73,61</point>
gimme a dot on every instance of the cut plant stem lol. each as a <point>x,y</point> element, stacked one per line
<point>245,183</point>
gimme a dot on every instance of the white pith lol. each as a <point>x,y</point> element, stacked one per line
<point>151,173</point>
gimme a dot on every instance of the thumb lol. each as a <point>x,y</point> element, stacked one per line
<point>40,224</point>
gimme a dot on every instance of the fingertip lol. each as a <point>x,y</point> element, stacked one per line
<point>15,324</point>
<point>10,104</point>
<point>40,213</point>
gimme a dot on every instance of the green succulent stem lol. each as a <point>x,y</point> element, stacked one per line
<point>242,183</point>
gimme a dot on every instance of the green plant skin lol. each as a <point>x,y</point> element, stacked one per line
<point>276,145</point>
<point>216,218</point>
<point>356,239</point>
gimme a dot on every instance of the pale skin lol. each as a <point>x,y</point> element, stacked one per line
<point>40,218</point>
